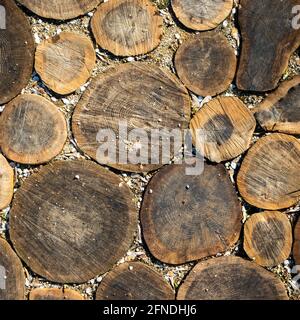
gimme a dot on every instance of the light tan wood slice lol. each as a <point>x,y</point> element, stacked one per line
<point>54,294</point>
<point>6,183</point>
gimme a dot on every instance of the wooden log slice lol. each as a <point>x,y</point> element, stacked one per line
<point>12,279</point>
<point>268,40</point>
<point>127,27</point>
<point>231,278</point>
<point>72,221</point>
<point>296,246</point>
<point>134,281</point>
<point>139,96</point>
<point>202,15</point>
<point>6,183</point>
<point>223,128</point>
<point>54,294</point>
<point>206,63</point>
<point>33,130</point>
<point>65,62</point>
<point>269,177</point>
<point>185,217</point>
<point>16,52</point>
<point>268,238</point>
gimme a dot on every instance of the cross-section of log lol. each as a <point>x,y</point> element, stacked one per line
<point>206,63</point>
<point>185,217</point>
<point>268,40</point>
<point>127,27</point>
<point>54,294</point>
<point>280,111</point>
<point>12,279</point>
<point>296,247</point>
<point>268,238</point>
<point>223,128</point>
<point>6,183</point>
<point>202,15</point>
<point>115,119</point>
<point>16,51</point>
<point>72,221</point>
<point>134,281</point>
<point>65,62</point>
<point>231,278</point>
<point>32,130</point>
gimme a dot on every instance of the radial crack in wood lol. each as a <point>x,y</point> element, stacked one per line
<point>6,183</point>
<point>54,294</point>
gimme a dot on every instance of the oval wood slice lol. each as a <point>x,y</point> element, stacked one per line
<point>54,294</point>
<point>280,111</point>
<point>6,183</point>
<point>185,217</point>
<point>134,281</point>
<point>16,52</point>
<point>206,63</point>
<point>269,177</point>
<point>231,278</point>
<point>202,15</point>
<point>268,40</point>
<point>72,221</point>
<point>65,62</point>
<point>12,279</point>
<point>268,238</point>
<point>223,128</point>
<point>127,27</point>
<point>296,247</point>
<point>33,130</point>
<point>137,96</point>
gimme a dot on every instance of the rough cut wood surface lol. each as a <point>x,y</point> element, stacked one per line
<point>127,27</point>
<point>65,62</point>
<point>269,177</point>
<point>231,278</point>
<point>206,63</point>
<point>134,281</point>
<point>16,52</point>
<point>6,183</point>
<point>268,40</point>
<point>296,247</point>
<point>185,218</point>
<point>268,238</point>
<point>223,128</point>
<point>32,130</point>
<point>54,294</point>
<point>72,221</point>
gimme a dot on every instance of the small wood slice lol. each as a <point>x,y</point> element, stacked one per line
<point>206,63</point>
<point>127,27</point>
<point>202,15</point>
<point>16,52</point>
<point>185,217</point>
<point>134,281</point>
<point>268,40</point>
<point>231,278</point>
<point>268,238</point>
<point>223,128</point>
<point>72,221</point>
<point>54,294</point>
<point>280,111</point>
<point>12,279</point>
<point>65,62</point>
<point>139,96</point>
<point>296,247</point>
<point>269,177</point>
<point>33,130</point>
<point>6,183</point>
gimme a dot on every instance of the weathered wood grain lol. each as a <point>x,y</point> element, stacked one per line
<point>6,183</point>
<point>54,294</point>
<point>296,246</point>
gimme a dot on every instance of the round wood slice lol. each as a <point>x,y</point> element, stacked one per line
<point>185,218</point>
<point>33,130</point>
<point>231,278</point>
<point>54,294</point>
<point>12,279</point>
<point>223,128</point>
<point>127,27</point>
<point>134,281</point>
<point>6,183</point>
<point>296,247</point>
<point>65,62</point>
<point>269,177</point>
<point>16,52</point>
<point>206,63</point>
<point>268,238</point>
<point>202,15</point>
<point>142,97</point>
<point>72,221</point>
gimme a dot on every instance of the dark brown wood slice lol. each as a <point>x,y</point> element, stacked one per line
<point>296,247</point>
<point>6,183</point>
<point>72,221</point>
<point>134,281</point>
<point>231,278</point>
<point>54,294</point>
<point>269,177</point>
<point>16,52</point>
<point>268,40</point>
